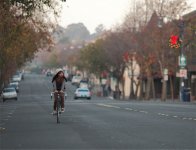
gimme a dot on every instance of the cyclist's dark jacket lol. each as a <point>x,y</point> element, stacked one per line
<point>59,85</point>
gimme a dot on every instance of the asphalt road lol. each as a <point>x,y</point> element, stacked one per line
<point>99,123</point>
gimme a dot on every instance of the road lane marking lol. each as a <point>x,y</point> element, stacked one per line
<point>175,116</point>
<point>166,115</point>
<point>145,112</point>
<point>160,114</point>
<point>135,110</point>
<point>109,106</point>
<point>129,109</point>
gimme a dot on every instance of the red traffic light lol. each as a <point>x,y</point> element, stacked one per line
<point>174,39</point>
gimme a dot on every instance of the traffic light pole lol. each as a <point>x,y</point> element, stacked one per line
<point>182,59</point>
<point>181,36</point>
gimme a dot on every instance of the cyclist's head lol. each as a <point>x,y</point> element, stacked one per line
<point>59,72</point>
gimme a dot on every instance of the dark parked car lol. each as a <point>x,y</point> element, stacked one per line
<point>48,74</point>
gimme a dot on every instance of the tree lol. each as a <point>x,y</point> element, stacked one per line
<point>22,33</point>
<point>153,42</point>
<point>93,58</point>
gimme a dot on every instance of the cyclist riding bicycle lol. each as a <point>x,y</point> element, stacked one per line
<point>58,82</point>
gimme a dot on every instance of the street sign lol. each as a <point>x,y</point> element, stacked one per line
<point>178,74</point>
<point>183,73</point>
<point>182,61</point>
<point>166,77</point>
<point>165,72</point>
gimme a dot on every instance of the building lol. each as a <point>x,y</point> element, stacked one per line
<point>190,50</point>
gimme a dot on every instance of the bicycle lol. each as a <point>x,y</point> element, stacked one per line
<point>58,104</point>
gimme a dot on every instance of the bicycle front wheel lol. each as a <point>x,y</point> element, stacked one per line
<point>58,112</point>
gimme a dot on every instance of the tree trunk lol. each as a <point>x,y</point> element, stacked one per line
<point>137,89</point>
<point>148,88</point>
<point>149,85</point>
<point>123,85</point>
<point>153,88</point>
<point>164,90</point>
<point>132,93</point>
<point>172,88</point>
<point>141,90</point>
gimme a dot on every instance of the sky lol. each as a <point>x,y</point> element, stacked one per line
<point>95,12</point>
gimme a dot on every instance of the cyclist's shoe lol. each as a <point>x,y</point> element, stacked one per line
<point>54,112</point>
<point>62,110</point>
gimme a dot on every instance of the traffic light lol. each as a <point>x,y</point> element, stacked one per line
<point>174,41</point>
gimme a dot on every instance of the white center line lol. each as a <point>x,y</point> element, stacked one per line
<point>109,106</point>
<point>129,109</point>
<point>143,111</point>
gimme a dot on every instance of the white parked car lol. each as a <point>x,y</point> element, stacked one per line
<point>15,85</point>
<point>82,93</point>
<point>76,80</point>
<point>16,78</point>
<point>9,93</point>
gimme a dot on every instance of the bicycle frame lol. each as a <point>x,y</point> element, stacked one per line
<point>58,105</point>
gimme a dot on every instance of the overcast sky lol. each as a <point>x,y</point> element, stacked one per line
<point>95,12</point>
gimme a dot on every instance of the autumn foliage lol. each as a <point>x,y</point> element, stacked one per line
<point>142,35</point>
<point>22,33</point>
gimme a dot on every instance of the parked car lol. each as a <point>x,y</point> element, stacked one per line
<point>9,93</point>
<point>16,78</point>
<point>82,93</point>
<point>49,74</point>
<point>83,84</point>
<point>76,80</point>
<point>14,85</point>
<point>21,74</point>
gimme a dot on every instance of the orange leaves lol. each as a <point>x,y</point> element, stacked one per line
<point>20,38</point>
<point>126,56</point>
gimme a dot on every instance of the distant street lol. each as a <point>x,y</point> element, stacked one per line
<point>99,123</point>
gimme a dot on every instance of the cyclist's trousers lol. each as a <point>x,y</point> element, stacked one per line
<point>55,100</point>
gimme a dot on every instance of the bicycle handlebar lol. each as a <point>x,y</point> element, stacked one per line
<point>57,92</point>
